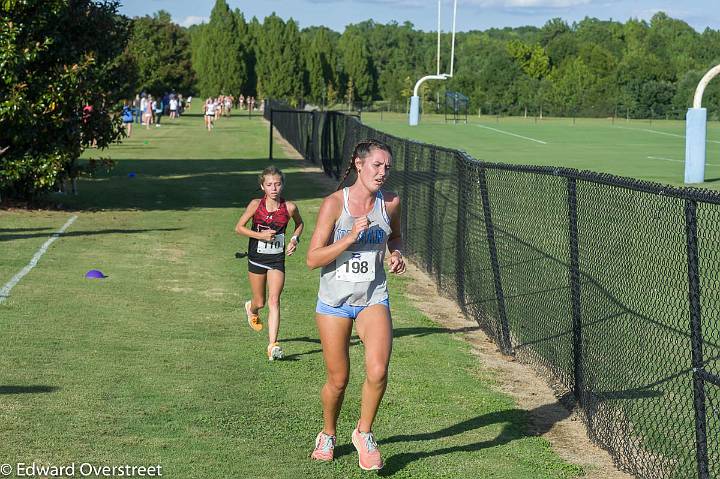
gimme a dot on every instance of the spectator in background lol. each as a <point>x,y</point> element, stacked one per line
<point>143,108</point>
<point>127,118</point>
<point>173,107</point>
<point>137,109</point>
<point>158,110</point>
<point>148,112</point>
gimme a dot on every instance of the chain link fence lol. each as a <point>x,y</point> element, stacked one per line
<point>609,286</point>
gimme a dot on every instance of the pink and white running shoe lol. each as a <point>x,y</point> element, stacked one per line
<point>367,448</point>
<point>324,447</point>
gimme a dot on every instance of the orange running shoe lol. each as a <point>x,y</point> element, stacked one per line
<point>369,455</point>
<point>324,447</point>
<point>253,319</point>
<point>274,351</point>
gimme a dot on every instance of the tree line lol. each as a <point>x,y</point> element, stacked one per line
<point>638,69</point>
<point>67,66</point>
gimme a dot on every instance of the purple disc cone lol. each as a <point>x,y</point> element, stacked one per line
<point>95,274</point>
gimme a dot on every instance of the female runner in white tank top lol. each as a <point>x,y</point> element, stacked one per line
<point>354,227</point>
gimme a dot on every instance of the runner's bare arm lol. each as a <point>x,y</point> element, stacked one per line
<point>240,228</point>
<point>396,260</point>
<point>320,253</point>
<point>299,225</point>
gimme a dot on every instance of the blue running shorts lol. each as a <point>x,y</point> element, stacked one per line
<point>344,310</point>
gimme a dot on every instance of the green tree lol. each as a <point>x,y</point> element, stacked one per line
<point>643,77</point>
<point>320,59</point>
<point>356,63</point>
<point>279,63</point>
<point>292,59</point>
<point>532,58</point>
<point>161,51</point>
<point>571,84</point>
<point>255,31</point>
<point>496,80</point>
<point>674,42</point>
<point>553,29</point>
<point>63,75</point>
<point>220,56</point>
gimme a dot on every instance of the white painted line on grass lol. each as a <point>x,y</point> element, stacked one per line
<point>678,161</point>
<point>661,133</point>
<point>5,291</point>
<point>664,159</point>
<point>672,134</point>
<point>512,134</point>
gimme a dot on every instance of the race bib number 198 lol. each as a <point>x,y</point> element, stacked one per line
<point>356,266</point>
<point>272,247</point>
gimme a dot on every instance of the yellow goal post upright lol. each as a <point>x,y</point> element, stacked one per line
<point>415,99</point>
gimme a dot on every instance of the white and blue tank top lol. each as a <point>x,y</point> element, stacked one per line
<point>357,276</point>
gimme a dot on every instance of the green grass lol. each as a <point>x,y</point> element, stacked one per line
<point>653,151</point>
<point>156,364</point>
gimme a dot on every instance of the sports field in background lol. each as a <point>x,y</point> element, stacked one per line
<point>649,150</point>
<point>156,363</point>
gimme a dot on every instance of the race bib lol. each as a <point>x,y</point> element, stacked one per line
<point>356,266</point>
<point>272,247</point>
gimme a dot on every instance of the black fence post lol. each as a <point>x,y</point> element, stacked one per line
<point>578,370</point>
<point>271,133</point>
<point>313,137</point>
<point>405,198</point>
<point>461,232</point>
<point>430,233</point>
<point>505,342</point>
<point>696,340</point>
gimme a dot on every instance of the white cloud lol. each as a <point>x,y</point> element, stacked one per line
<point>481,3</point>
<point>387,3</point>
<point>193,20</point>
<point>518,4</point>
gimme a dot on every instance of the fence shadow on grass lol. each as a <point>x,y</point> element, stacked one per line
<point>17,230</point>
<point>234,114</point>
<point>517,424</point>
<point>36,389</point>
<point>180,185</point>
<point>416,332</point>
<point>354,341</point>
<point>419,332</point>
<point>111,231</point>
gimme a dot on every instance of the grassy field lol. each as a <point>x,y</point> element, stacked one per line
<point>649,150</point>
<point>156,364</point>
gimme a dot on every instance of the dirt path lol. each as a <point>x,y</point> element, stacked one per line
<point>549,418</point>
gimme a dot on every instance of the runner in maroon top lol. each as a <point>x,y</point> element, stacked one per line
<point>267,248</point>
<point>272,256</point>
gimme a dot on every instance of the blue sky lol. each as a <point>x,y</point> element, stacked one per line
<point>472,14</point>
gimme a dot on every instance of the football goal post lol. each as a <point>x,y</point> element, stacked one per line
<point>696,132</point>
<point>415,99</point>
